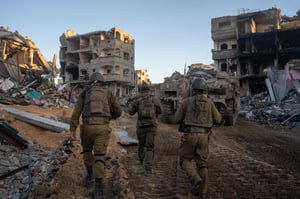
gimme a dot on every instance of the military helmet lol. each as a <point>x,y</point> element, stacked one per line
<point>144,87</point>
<point>96,77</point>
<point>199,84</point>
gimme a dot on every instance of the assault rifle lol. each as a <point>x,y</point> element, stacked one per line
<point>216,126</point>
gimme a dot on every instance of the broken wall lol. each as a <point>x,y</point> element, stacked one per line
<point>279,84</point>
<point>284,80</point>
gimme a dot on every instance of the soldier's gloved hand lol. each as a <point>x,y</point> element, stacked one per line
<point>222,123</point>
<point>72,135</point>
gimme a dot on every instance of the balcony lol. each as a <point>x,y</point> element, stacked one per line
<point>110,60</point>
<point>224,54</point>
<point>118,78</point>
<point>223,34</point>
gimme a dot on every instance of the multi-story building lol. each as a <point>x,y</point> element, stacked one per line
<point>142,77</point>
<point>248,43</point>
<point>112,53</point>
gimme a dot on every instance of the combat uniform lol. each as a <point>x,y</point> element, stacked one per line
<point>95,130</point>
<point>146,128</point>
<point>197,114</point>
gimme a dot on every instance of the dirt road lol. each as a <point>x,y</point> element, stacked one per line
<point>246,161</point>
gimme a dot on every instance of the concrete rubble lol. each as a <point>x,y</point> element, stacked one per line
<point>262,49</point>
<point>27,78</point>
<point>24,169</point>
<point>285,113</point>
<point>279,104</point>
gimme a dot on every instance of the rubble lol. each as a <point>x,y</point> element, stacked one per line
<point>279,104</point>
<point>24,164</point>
<point>21,60</point>
<point>43,163</point>
<point>26,78</point>
<point>261,109</point>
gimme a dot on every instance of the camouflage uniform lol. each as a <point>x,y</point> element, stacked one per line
<point>95,130</point>
<point>194,145</point>
<point>146,129</point>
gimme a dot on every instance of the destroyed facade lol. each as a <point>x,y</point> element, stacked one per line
<point>251,43</point>
<point>112,53</point>
<point>21,61</point>
<point>142,77</point>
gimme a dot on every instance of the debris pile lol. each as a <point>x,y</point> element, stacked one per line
<point>28,166</point>
<point>36,166</point>
<point>26,77</point>
<point>261,109</point>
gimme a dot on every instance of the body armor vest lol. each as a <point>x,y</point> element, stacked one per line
<point>198,112</point>
<point>96,103</point>
<point>146,108</point>
<point>146,111</point>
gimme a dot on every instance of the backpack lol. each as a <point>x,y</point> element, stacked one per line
<point>146,108</point>
<point>96,103</point>
<point>198,112</point>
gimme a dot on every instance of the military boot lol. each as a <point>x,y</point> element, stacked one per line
<point>148,162</point>
<point>202,195</point>
<point>141,161</point>
<point>148,172</point>
<point>89,179</point>
<point>99,192</point>
<point>196,183</point>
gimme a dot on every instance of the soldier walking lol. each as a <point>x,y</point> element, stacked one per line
<point>196,116</point>
<point>148,108</point>
<point>97,106</point>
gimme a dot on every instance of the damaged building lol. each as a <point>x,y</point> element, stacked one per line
<point>112,53</point>
<point>256,47</point>
<point>142,77</point>
<point>21,61</point>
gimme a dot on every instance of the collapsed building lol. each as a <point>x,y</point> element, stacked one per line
<point>21,61</point>
<point>112,53</point>
<point>257,47</point>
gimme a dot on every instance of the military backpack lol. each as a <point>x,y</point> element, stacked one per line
<point>146,109</point>
<point>96,103</point>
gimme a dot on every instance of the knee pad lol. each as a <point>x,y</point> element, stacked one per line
<point>199,167</point>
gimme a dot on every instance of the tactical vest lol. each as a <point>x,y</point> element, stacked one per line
<point>198,112</point>
<point>96,109</point>
<point>147,111</point>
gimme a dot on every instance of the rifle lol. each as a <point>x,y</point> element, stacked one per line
<point>215,126</point>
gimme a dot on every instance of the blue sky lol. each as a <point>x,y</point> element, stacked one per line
<point>169,34</point>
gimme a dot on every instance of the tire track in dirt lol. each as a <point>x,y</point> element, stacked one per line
<point>233,173</point>
<point>164,182</point>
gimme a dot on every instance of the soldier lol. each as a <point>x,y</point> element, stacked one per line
<point>148,109</point>
<point>196,116</point>
<point>97,106</point>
